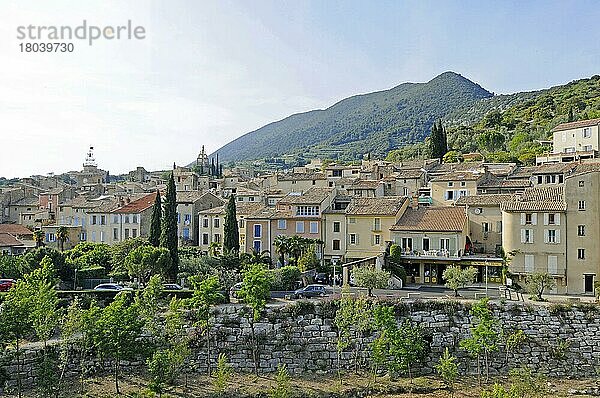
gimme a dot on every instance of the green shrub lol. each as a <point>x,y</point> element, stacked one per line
<point>285,277</point>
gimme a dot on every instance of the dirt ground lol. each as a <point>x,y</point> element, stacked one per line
<point>317,386</point>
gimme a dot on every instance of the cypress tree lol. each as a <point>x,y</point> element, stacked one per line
<point>571,117</point>
<point>168,236</point>
<point>444,139</point>
<point>434,141</point>
<point>212,167</point>
<point>231,238</point>
<point>221,171</point>
<point>155,227</point>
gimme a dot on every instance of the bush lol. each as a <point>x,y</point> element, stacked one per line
<point>285,277</point>
<point>96,272</point>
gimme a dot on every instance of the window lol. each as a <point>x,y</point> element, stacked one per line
<point>587,148</point>
<point>376,239</point>
<point>134,233</point>
<point>242,240</point>
<point>463,183</point>
<point>407,244</point>
<point>126,234</point>
<point>450,183</point>
<point>551,219</point>
<point>217,238</point>
<point>498,226</point>
<point>485,227</point>
<point>449,195</point>
<point>353,239</point>
<point>127,219</point>
<point>551,236</point>
<point>256,245</point>
<point>529,263</point>
<point>205,223</point>
<point>336,226</point>
<point>526,236</point>
<point>581,254</point>
<point>257,230</point>
<point>83,236</point>
<point>240,199</point>
<point>552,265</point>
<point>335,244</point>
<point>115,233</point>
<point>314,227</point>
<point>581,183</point>
<point>51,237</point>
<point>93,222</point>
<point>445,244</point>
<point>377,224</point>
<point>528,218</point>
<point>281,224</point>
<point>186,233</point>
<point>251,199</point>
<point>102,220</point>
<point>352,220</point>
<point>581,205</point>
<point>135,218</point>
<point>462,193</point>
<point>300,227</point>
<point>307,210</point>
<point>205,239</point>
<point>587,132</point>
<point>570,149</point>
<point>581,230</point>
<point>242,223</point>
<point>187,218</point>
<point>540,179</point>
<point>425,244</point>
<point>216,222</point>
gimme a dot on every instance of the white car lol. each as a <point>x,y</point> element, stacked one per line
<point>111,287</point>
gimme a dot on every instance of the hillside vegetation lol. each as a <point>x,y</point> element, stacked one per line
<point>375,122</point>
<point>510,127</point>
<point>396,123</point>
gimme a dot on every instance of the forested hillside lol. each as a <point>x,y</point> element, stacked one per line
<point>510,127</point>
<point>375,122</point>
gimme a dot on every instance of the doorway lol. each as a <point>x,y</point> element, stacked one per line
<point>589,283</point>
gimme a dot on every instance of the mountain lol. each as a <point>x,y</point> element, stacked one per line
<point>376,122</point>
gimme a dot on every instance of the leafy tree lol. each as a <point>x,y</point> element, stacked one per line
<point>253,257</point>
<point>168,237</point>
<point>284,278</point>
<point>344,318</point>
<point>62,234</point>
<point>538,282</point>
<point>146,261</point>
<point>16,323</point>
<point>149,304</point>
<point>281,243</point>
<point>368,277</point>
<point>155,223</point>
<point>457,277</point>
<point>231,233</point>
<point>255,292</point>
<point>484,335</point>
<point>118,330</point>
<point>38,237</point>
<point>308,259</point>
<point>453,157</point>
<point>448,370</point>
<point>120,250</point>
<point>207,293</point>
<point>88,254</point>
<point>513,340</point>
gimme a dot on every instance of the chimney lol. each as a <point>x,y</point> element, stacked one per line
<point>414,202</point>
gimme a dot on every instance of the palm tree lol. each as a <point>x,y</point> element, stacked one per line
<point>256,257</point>
<point>62,234</point>
<point>38,237</point>
<point>295,247</point>
<point>282,245</point>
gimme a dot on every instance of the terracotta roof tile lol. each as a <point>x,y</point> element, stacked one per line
<point>7,240</point>
<point>485,200</point>
<point>312,196</point>
<point>575,125</point>
<point>138,205</point>
<point>388,206</point>
<point>438,219</point>
<point>14,229</point>
<point>460,176</point>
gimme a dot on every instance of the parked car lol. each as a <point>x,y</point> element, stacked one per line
<point>310,291</point>
<point>322,279</point>
<point>6,284</point>
<point>111,287</point>
<point>172,286</point>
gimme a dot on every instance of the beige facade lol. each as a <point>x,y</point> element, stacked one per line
<point>582,196</point>
<point>368,222</point>
<point>448,188</point>
<point>581,136</point>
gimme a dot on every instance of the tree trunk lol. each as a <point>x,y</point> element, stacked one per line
<point>208,367</point>
<point>117,376</point>
<point>478,371</point>
<point>18,352</point>
<point>455,292</point>
<point>254,348</point>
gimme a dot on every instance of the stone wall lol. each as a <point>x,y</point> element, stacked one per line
<point>561,340</point>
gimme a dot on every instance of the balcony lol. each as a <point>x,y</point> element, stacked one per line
<point>430,254</point>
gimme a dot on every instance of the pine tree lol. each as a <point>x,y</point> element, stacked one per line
<point>155,227</point>
<point>231,239</point>
<point>168,236</point>
<point>212,167</point>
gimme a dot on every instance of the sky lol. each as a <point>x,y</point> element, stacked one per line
<point>210,71</point>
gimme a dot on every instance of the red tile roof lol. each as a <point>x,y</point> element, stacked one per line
<point>434,219</point>
<point>7,240</point>
<point>138,205</point>
<point>575,125</point>
<point>15,229</point>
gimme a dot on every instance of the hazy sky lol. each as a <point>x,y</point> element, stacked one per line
<point>210,71</point>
